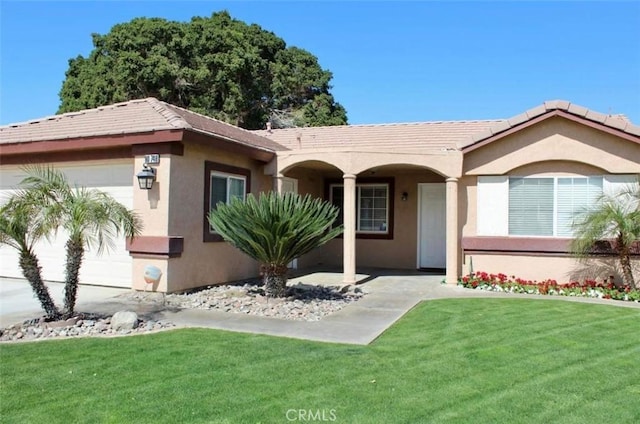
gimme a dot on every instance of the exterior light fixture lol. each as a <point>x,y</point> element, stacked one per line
<point>147,176</point>
<point>404,196</point>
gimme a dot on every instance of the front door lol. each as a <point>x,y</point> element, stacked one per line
<point>432,226</point>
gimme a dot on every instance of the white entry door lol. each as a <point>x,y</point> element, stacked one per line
<point>432,221</point>
<point>290,185</point>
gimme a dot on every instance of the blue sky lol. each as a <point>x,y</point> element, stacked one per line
<point>391,61</point>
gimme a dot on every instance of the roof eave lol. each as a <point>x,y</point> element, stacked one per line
<point>91,143</point>
<point>543,117</point>
<point>228,144</point>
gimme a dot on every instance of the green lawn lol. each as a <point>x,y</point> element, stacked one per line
<point>447,361</point>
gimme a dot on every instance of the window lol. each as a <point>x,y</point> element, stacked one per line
<point>224,188</point>
<point>374,209</point>
<point>222,184</point>
<point>547,206</point>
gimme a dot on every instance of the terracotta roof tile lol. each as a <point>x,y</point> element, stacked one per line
<point>632,129</point>
<point>536,111</point>
<point>428,136</point>
<point>146,115</point>
<point>596,116</point>
<point>618,122</point>
<point>577,110</point>
<point>205,124</point>
<point>134,116</point>
<point>518,119</point>
<point>410,137</point>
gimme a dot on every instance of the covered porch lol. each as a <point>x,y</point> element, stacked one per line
<point>399,211</point>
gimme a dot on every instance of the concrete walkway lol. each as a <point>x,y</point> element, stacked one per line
<point>389,297</point>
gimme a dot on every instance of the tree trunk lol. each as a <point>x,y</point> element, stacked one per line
<point>627,272</point>
<point>624,254</point>
<point>75,253</point>
<point>275,280</point>
<point>31,271</point>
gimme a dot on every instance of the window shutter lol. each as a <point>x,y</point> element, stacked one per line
<point>492,206</point>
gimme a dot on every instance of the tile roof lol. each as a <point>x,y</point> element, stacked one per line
<point>207,125</point>
<point>410,137</point>
<point>150,114</point>
<point>617,122</point>
<point>131,117</point>
<point>429,136</point>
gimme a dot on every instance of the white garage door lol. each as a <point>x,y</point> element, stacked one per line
<point>112,268</point>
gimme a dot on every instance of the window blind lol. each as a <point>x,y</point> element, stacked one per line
<point>531,206</point>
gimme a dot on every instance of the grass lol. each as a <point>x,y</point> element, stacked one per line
<point>447,361</point>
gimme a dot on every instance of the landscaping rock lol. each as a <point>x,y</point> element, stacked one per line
<point>63,323</point>
<point>304,302</point>
<point>85,325</point>
<point>124,320</point>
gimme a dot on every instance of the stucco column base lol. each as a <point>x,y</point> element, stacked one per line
<point>453,238</point>
<point>349,235</point>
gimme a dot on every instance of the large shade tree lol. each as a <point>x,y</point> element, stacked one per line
<point>274,229</point>
<point>613,222</point>
<point>218,66</point>
<point>91,218</point>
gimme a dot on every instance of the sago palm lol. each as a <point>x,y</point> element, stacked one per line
<point>20,229</point>
<point>91,218</point>
<point>615,219</point>
<point>274,229</point>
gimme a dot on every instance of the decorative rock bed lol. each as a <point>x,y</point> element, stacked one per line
<point>84,324</point>
<point>304,303</point>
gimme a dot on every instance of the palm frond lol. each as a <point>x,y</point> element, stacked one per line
<point>275,229</point>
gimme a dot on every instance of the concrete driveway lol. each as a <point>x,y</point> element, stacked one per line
<point>18,303</point>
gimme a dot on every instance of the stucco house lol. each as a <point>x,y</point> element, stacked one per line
<point>495,195</point>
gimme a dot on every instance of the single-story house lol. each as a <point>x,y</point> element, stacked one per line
<point>491,195</point>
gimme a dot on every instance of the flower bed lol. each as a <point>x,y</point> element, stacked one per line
<point>588,288</point>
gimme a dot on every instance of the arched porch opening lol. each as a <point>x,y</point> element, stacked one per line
<point>388,211</point>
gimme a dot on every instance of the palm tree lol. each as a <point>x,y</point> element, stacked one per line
<point>615,219</point>
<point>91,218</point>
<point>19,229</point>
<point>274,229</point>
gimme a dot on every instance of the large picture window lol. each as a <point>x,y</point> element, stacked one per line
<point>374,207</point>
<point>547,206</point>
<point>223,183</point>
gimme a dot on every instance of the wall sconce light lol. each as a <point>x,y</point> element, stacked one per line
<point>404,196</point>
<point>147,176</point>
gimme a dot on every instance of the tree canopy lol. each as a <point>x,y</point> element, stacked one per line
<point>218,66</point>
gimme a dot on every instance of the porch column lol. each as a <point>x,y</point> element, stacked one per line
<point>277,183</point>
<point>452,238</point>
<point>349,235</point>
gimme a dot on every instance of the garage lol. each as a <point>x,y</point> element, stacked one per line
<point>112,268</point>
